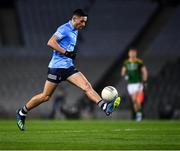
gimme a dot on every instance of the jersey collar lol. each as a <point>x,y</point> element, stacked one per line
<point>132,60</point>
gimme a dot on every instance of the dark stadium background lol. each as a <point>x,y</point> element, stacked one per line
<point>152,26</point>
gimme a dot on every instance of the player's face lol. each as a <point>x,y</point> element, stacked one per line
<point>132,54</point>
<point>80,22</point>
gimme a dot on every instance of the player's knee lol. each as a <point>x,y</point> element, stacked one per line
<point>45,98</point>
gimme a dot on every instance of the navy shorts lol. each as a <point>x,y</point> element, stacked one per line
<point>57,75</point>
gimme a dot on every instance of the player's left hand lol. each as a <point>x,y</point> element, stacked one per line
<point>71,54</point>
<point>126,77</point>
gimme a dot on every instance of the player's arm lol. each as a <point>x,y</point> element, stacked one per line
<point>52,43</point>
<point>124,73</point>
<point>144,73</point>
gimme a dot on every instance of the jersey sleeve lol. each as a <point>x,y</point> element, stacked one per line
<point>141,64</point>
<point>60,33</point>
<point>125,63</point>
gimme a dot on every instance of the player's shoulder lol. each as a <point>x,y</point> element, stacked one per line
<point>138,60</point>
<point>64,27</point>
<point>126,61</point>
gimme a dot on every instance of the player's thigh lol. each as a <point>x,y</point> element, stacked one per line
<point>133,97</point>
<point>131,92</point>
<point>79,80</point>
<point>49,88</point>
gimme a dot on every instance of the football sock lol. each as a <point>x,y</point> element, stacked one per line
<point>23,111</point>
<point>102,105</point>
<point>139,115</point>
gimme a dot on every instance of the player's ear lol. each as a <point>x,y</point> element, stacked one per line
<point>74,17</point>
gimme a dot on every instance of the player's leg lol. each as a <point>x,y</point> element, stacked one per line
<point>134,101</point>
<point>49,88</point>
<point>139,100</point>
<point>133,97</point>
<point>79,80</point>
<point>137,106</point>
<point>133,90</point>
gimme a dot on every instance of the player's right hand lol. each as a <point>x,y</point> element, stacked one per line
<point>71,54</point>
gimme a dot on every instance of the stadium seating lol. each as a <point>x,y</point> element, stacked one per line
<point>21,78</point>
<point>40,18</point>
<point>39,24</point>
<point>163,97</point>
<point>107,33</point>
<point>163,93</point>
<point>165,47</point>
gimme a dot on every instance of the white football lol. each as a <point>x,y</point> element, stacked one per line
<point>109,93</point>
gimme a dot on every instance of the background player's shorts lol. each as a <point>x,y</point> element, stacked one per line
<point>56,75</point>
<point>135,87</point>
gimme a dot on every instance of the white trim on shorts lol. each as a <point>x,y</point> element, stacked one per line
<point>134,87</point>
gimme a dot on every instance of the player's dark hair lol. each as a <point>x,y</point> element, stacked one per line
<point>133,48</point>
<point>79,12</point>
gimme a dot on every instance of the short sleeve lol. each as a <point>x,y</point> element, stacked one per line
<point>125,63</point>
<point>60,33</point>
<point>141,64</point>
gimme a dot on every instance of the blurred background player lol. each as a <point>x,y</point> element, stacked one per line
<point>61,68</point>
<point>59,106</point>
<point>135,72</point>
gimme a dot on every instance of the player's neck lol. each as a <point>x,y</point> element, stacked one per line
<point>132,59</point>
<point>73,23</point>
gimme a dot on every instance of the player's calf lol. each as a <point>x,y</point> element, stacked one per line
<point>44,98</point>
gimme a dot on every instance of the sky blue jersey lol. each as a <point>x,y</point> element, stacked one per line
<point>67,37</point>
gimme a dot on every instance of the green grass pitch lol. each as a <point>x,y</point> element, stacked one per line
<point>90,134</point>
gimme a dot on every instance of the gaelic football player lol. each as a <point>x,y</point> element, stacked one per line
<point>136,73</point>
<point>61,68</point>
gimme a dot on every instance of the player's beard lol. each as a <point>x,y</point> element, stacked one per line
<point>80,27</point>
